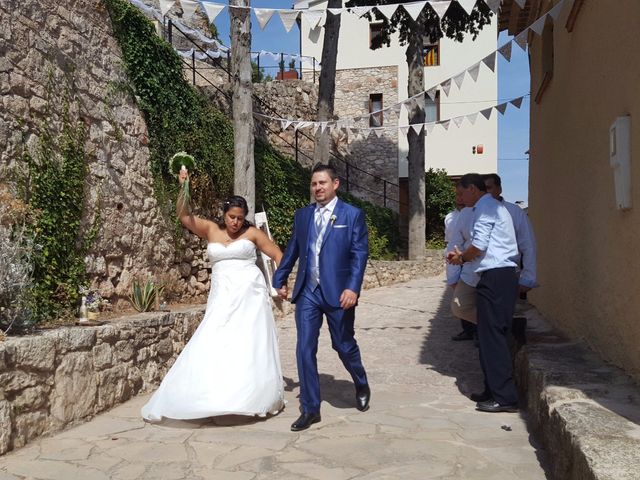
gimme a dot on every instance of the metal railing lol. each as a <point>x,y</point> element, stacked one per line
<point>349,169</point>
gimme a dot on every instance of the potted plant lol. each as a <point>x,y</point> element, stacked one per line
<point>92,302</point>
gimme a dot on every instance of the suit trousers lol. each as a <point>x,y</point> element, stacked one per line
<point>496,299</point>
<point>310,307</point>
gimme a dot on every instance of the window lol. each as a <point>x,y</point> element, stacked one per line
<point>375,105</point>
<point>432,108</point>
<point>431,54</point>
<point>375,31</point>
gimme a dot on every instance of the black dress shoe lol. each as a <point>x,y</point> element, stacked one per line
<point>481,397</point>
<point>304,421</point>
<point>363,395</point>
<point>492,406</point>
<point>463,335</point>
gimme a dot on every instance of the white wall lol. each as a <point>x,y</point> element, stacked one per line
<point>452,149</point>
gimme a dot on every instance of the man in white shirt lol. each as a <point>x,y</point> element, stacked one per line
<point>457,233</point>
<point>492,254</point>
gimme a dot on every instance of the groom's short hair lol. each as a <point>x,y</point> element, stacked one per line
<point>321,167</point>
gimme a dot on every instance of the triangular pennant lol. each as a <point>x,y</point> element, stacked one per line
<point>188,9</point>
<point>467,5</point>
<point>312,17</point>
<point>473,71</point>
<point>429,127</point>
<point>360,11</point>
<point>335,11</point>
<point>459,79</point>
<point>378,131</point>
<point>521,40</point>
<point>490,61</point>
<point>458,121</point>
<point>538,25</point>
<point>165,6</point>
<point>404,130</point>
<point>263,15</point>
<point>502,107</point>
<point>521,3</point>
<point>397,108</point>
<point>446,86</point>
<point>286,124</point>
<point>445,124</point>
<point>288,18</point>
<point>486,113</point>
<point>387,10</point>
<point>417,127</point>
<point>414,9</point>
<point>494,5</point>
<point>505,51</point>
<point>432,93</point>
<point>366,132</point>
<point>472,118</point>
<point>212,10</point>
<point>555,11</point>
<point>440,7</point>
<point>517,102</point>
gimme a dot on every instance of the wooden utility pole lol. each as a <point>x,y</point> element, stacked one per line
<point>243,136</point>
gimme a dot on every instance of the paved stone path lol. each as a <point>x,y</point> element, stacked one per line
<point>420,425</point>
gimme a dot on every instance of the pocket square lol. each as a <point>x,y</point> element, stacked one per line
<point>340,226</point>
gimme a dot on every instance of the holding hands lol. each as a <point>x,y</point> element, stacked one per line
<point>455,256</point>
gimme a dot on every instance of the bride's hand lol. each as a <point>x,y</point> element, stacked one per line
<point>184,175</point>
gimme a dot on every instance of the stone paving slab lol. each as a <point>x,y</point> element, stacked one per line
<point>421,424</point>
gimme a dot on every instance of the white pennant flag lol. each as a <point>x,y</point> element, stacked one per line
<point>555,11</point>
<point>360,11</point>
<point>494,5</point>
<point>467,5</point>
<point>490,61</point>
<point>521,3</point>
<point>517,102</point>
<point>414,9</point>
<point>502,107</point>
<point>397,108</point>
<point>538,25</point>
<point>505,51</point>
<point>445,87</point>
<point>440,7</point>
<point>445,124</point>
<point>312,17</point>
<point>335,11</point>
<point>188,9</point>
<point>286,124</point>
<point>429,127</point>
<point>459,79</point>
<point>378,132</point>
<point>263,15</point>
<point>417,127</point>
<point>288,18</point>
<point>212,10</point>
<point>472,118</point>
<point>486,113</point>
<point>474,71</point>
<point>404,130</point>
<point>458,121</point>
<point>521,40</point>
<point>165,6</point>
<point>387,10</point>
<point>432,93</point>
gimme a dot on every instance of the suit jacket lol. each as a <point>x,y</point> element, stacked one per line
<point>343,253</point>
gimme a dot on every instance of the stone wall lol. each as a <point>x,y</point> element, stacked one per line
<point>61,377</point>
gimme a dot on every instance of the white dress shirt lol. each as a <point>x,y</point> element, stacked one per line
<point>460,234</point>
<point>526,245</point>
<point>326,212</point>
<point>494,235</point>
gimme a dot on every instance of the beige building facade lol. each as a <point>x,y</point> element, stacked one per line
<point>585,73</point>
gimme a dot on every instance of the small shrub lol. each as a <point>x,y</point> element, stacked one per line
<point>144,297</point>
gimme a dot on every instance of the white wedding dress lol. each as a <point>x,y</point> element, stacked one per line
<point>231,365</point>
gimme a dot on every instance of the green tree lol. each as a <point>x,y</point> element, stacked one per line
<point>441,199</point>
<point>257,73</point>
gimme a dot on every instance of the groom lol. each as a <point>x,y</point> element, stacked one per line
<point>330,240</point>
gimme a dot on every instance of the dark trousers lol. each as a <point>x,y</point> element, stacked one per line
<point>497,292</point>
<point>310,307</point>
<point>467,326</point>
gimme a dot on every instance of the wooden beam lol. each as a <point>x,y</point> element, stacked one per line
<point>573,14</point>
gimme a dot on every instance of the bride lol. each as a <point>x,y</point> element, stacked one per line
<point>231,365</point>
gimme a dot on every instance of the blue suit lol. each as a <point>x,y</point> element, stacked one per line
<point>342,262</point>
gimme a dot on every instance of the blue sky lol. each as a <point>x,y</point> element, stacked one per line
<point>513,81</point>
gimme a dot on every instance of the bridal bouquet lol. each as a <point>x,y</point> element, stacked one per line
<point>179,161</point>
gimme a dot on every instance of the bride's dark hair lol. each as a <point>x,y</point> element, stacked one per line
<point>232,202</point>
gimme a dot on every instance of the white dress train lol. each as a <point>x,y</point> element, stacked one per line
<point>231,365</point>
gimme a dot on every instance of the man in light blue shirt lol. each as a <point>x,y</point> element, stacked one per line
<point>492,254</point>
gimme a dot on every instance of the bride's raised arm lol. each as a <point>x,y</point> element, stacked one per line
<point>197,225</point>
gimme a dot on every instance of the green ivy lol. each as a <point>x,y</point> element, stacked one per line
<point>440,200</point>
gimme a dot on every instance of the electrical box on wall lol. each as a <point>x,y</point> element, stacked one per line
<point>620,160</point>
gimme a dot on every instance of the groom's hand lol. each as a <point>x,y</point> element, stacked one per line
<point>283,292</point>
<point>348,299</point>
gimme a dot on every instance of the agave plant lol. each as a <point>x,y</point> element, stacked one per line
<point>143,297</point>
